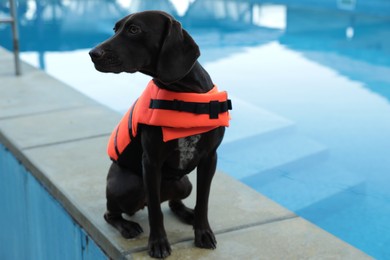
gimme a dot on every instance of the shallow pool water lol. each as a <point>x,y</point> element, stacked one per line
<point>310,84</point>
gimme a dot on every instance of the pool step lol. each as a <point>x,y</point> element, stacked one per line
<point>257,155</point>
<point>305,189</point>
<point>264,151</point>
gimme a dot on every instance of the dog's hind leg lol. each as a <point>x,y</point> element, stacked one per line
<point>175,192</point>
<point>127,228</point>
<point>125,194</point>
<point>185,214</point>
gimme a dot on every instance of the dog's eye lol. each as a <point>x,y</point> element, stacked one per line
<point>133,29</point>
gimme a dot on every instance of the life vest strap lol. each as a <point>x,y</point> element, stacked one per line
<point>212,108</point>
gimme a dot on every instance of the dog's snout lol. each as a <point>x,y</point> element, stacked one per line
<point>96,53</point>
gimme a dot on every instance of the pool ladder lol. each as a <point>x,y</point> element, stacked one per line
<point>15,34</point>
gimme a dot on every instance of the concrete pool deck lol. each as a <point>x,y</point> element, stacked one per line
<point>60,136</point>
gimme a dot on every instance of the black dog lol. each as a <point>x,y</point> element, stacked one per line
<point>153,171</point>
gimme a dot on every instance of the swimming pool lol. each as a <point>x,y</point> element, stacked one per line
<point>310,82</point>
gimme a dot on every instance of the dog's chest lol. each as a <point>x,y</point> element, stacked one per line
<point>187,150</point>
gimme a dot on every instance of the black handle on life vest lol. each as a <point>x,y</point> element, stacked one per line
<point>212,108</point>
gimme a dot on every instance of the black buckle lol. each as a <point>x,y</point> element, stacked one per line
<point>229,105</point>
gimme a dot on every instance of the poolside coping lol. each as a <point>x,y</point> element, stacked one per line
<point>60,136</point>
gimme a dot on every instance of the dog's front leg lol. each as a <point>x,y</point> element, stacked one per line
<point>204,236</point>
<point>158,245</point>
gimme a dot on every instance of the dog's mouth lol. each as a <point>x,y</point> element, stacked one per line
<point>114,68</point>
<point>105,61</point>
<point>109,67</point>
<point>108,61</point>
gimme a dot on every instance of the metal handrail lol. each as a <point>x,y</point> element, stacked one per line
<point>15,34</point>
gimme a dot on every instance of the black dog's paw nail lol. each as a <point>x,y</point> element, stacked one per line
<point>130,229</point>
<point>204,238</point>
<point>159,248</point>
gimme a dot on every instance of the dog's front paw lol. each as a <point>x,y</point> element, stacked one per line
<point>204,238</point>
<point>159,248</point>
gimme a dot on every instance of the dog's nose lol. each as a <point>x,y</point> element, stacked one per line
<point>96,53</point>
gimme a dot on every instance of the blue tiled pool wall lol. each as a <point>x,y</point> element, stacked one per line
<point>33,225</point>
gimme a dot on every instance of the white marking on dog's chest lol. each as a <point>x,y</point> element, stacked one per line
<point>187,149</point>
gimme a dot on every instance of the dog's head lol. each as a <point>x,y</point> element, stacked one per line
<point>151,42</point>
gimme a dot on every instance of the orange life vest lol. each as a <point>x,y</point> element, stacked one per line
<point>179,115</point>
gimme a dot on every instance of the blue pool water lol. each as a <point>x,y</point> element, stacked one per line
<point>310,82</point>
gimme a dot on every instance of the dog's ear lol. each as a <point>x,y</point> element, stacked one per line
<point>178,53</point>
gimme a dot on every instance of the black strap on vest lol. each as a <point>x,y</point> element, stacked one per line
<point>212,108</point>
